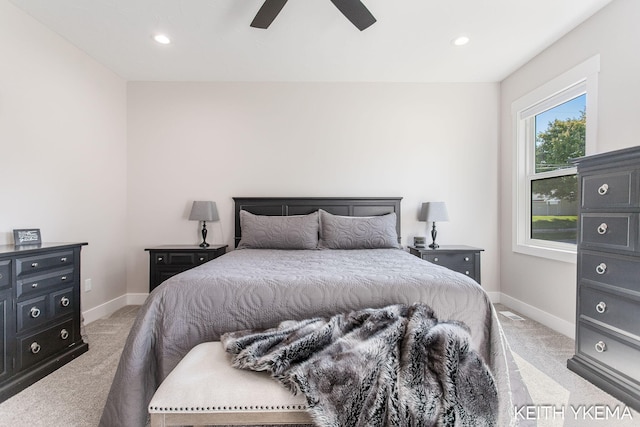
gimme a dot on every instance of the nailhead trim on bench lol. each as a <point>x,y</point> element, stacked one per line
<point>230,408</point>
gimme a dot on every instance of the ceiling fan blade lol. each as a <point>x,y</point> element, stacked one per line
<point>267,13</point>
<point>355,12</point>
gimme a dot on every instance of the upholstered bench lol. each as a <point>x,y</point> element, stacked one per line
<point>204,389</point>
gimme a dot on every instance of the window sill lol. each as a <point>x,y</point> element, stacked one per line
<point>556,254</point>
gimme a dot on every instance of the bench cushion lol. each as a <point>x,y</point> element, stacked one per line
<point>205,389</point>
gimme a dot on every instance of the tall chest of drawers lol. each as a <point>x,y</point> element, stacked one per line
<point>608,295</point>
<point>39,312</point>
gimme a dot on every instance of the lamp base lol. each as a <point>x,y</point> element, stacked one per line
<point>434,245</point>
<point>204,245</point>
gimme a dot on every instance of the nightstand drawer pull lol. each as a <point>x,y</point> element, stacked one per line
<point>35,348</point>
<point>64,334</point>
<point>601,268</point>
<point>34,264</point>
<point>160,258</point>
<point>64,302</point>
<point>201,258</point>
<point>435,259</point>
<point>63,278</point>
<point>602,228</point>
<point>466,272</point>
<point>467,258</point>
<point>34,285</point>
<point>603,189</point>
<point>34,312</point>
<point>601,307</point>
<point>601,347</point>
<point>63,259</point>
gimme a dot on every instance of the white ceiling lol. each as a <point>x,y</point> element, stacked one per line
<point>311,40</point>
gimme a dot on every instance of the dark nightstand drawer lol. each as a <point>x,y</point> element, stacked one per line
<point>167,261</point>
<point>609,190</point>
<point>463,259</point>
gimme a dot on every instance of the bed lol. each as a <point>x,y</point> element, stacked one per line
<point>282,275</point>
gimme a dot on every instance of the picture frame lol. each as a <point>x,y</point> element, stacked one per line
<point>27,236</point>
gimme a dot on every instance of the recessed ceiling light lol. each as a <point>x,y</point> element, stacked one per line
<point>461,40</point>
<point>162,39</point>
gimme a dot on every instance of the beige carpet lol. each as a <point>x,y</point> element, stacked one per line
<point>75,394</point>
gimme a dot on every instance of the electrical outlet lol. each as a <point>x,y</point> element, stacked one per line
<point>87,285</point>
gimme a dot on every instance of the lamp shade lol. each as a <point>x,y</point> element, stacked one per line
<point>204,211</point>
<point>434,212</point>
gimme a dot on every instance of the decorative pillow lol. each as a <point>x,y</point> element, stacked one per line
<point>278,232</point>
<point>356,232</point>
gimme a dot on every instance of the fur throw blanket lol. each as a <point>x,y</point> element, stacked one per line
<point>393,366</point>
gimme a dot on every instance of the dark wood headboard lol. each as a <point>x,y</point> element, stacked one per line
<point>347,206</point>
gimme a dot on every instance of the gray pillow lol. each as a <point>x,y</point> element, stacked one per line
<point>353,232</point>
<point>278,232</point>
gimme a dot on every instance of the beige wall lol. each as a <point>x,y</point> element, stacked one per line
<point>63,149</point>
<point>543,288</point>
<point>213,141</point>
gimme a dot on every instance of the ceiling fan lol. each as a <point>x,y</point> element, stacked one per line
<point>353,10</point>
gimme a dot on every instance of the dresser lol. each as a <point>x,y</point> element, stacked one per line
<point>460,258</point>
<point>169,260</point>
<point>39,312</point>
<point>608,294</point>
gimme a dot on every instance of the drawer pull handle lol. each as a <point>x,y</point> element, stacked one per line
<point>601,268</point>
<point>160,258</point>
<point>63,278</point>
<point>201,258</point>
<point>466,258</point>
<point>34,264</point>
<point>63,259</point>
<point>35,348</point>
<point>603,189</point>
<point>466,272</point>
<point>64,334</point>
<point>601,347</point>
<point>435,259</point>
<point>34,285</point>
<point>601,307</point>
<point>602,228</point>
<point>34,312</point>
<point>64,301</point>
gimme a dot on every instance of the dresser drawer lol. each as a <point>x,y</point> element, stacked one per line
<point>616,353</point>
<point>620,271</point>
<point>618,231</point>
<point>618,311</point>
<point>37,347</point>
<point>5,273</point>
<point>610,190</point>
<point>39,263</point>
<point>31,313</point>
<point>43,282</point>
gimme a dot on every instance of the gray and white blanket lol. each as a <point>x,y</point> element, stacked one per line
<point>393,366</point>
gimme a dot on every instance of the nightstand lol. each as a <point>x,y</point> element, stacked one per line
<point>463,259</point>
<point>169,260</point>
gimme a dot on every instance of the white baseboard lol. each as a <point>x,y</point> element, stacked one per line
<point>109,307</point>
<point>540,316</point>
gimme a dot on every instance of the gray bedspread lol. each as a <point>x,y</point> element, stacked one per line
<point>259,288</point>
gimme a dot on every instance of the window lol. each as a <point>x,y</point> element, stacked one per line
<point>553,124</point>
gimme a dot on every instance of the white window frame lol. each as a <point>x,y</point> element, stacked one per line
<point>583,78</point>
